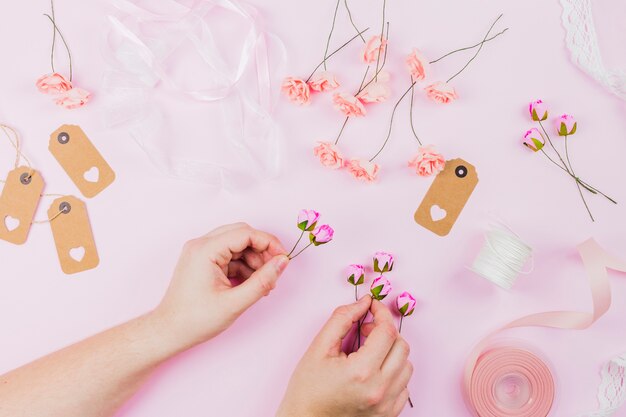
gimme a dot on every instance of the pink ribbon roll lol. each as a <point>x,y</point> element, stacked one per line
<point>513,382</point>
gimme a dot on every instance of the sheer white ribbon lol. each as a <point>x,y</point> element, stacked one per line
<point>612,388</point>
<point>241,145</point>
<point>582,42</point>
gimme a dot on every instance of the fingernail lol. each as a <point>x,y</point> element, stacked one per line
<point>281,263</point>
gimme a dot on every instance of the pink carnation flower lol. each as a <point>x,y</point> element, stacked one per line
<point>349,105</point>
<point>329,155</point>
<point>73,98</point>
<point>362,169</point>
<point>53,83</point>
<point>441,92</point>
<point>323,81</point>
<point>376,92</point>
<point>427,161</point>
<point>296,90</point>
<point>417,65</point>
<point>374,48</point>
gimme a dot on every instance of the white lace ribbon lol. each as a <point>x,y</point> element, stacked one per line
<point>240,145</point>
<point>612,388</point>
<point>582,42</point>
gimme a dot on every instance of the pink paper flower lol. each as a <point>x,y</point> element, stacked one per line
<point>533,139</point>
<point>406,304</point>
<point>427,161</point>
<point>323,81</point>
<point>417,65</point>
<point>362,169</point>
<point>349,105</point>
<point>356,274</point>
<point>441,92</point>
<point>73,98</point>
<point>307,219</point>
<point>538,110</point>
<point>296,90</point>
<point>381,287</point>
<point>322,234</point>
<point>53,83</point>
<point>329,155</point>
<point>374,48</point>
<point>375,92</point>
<point>383,262</point>
<point>566,125</point>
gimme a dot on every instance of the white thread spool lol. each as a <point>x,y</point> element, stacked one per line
<point>502,257</point>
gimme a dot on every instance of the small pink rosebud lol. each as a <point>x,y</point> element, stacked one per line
<point>307,220</point>
<point>356,274</point>
<point>533,139</point>
<point>538,111</point>
<point>322,234</point>
<point>383,262</point>
<point>566,125</point>
<point>381,287</point>
<point>406,304</point>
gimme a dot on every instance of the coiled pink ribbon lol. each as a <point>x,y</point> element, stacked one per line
<point>495,377</point>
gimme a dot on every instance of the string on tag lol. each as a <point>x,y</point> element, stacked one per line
<point>15,142</point>
<point>502,258</point>
<point>62,209</point>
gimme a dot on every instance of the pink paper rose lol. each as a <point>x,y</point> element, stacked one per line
<point>533,139</point>
<point>296,90</point>
<point>362,169</point>
<point>381,287</point>
<point>427,161</point>
<point>329,155</point>
<point>383,262</point>
<point>356,274</point>
<point>566,125</point>
<point>406,304</point>
<point>307,219</point>
<point>323,81</point>
<point>417,65</point>
<point>53,83</point>
<point>538,110</point>
<point>322,234</point>
<point>441,92</point>
<point>374,48</point>
<point>349,105</point>
<point>73,98</point>
<point>376,92</point>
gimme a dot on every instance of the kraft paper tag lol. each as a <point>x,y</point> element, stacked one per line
<point>447,196</point>
<point>18,203</point>
<point>72,235</point>
<point>80,160</point>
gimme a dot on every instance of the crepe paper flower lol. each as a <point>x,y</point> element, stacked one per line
<point>297,90</point>
<point>383,262</point>
<point>538,110</point>
<point>321,235</point>
<point>323,81</point>
<point>363,170</point>
<point>427,161</point>
<point>373,49</point>
<point>405,303</point>
<point>329,155</point>
<point>307,220</point>
<point>440,92</point>
<point>566,125</point>
<point>349,105</point>
<point>533,139</point>
<point>74,98</point>
<point>376,92</point>
<point>381,287</point>
<point>417,65</point>
<point>53,83</point>
<point>356,274</point>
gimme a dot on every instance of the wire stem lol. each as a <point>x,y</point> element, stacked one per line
<point>411,112</point>
<point>342,128</point>
<point>294,246</point>
<point>69,54</point>
<point>303,249</point>
<point>334,52</point>
<point>345,2</point>
<point>469,47</point>
<point>330,34</point>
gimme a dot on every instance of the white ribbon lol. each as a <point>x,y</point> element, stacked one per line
<point>612,388</point>
<point>143,36</point>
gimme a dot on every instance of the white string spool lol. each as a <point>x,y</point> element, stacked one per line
<point>502,258</point>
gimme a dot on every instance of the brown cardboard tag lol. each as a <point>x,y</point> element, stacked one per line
<point>80,160</point>
<point>18,203</point>
<point>72,235</point>
<point>447,196</point>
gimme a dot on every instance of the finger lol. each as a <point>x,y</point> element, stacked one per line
<point>220,248</point>
<point>396,359</point>
<point>226,228</point>
<point>381,338</point>
<point>259,284</point>
<point>253,259</point>
<point>400,403</point>
<point>366,329</point>
<point>401,380</point>
<point>239,269</point>
<point>328,340</point>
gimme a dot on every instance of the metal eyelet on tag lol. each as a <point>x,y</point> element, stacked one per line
<point>18,203</point>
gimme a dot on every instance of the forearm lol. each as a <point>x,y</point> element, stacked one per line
<point>91,378</point>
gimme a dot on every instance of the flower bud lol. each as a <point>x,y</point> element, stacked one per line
<point>406,304</point>
<point>533,139</point>
<point>322,234</point>
<point>566,125</point>
<point>538,111</point>
<point>356,274</point>
<point>381,287</point>
<point>383,262</point>
<point>307,219</point>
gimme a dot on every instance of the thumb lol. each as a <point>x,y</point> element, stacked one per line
<point>259,284</point>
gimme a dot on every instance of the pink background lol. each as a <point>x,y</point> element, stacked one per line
<point>142,220</point>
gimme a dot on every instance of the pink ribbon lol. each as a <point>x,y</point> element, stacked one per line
<point>487,368</point>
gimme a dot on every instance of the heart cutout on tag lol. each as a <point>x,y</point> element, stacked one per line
<point>437,213</point>
<point>77,254</point>
<point>93,175</point>
<point>11,223</point>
